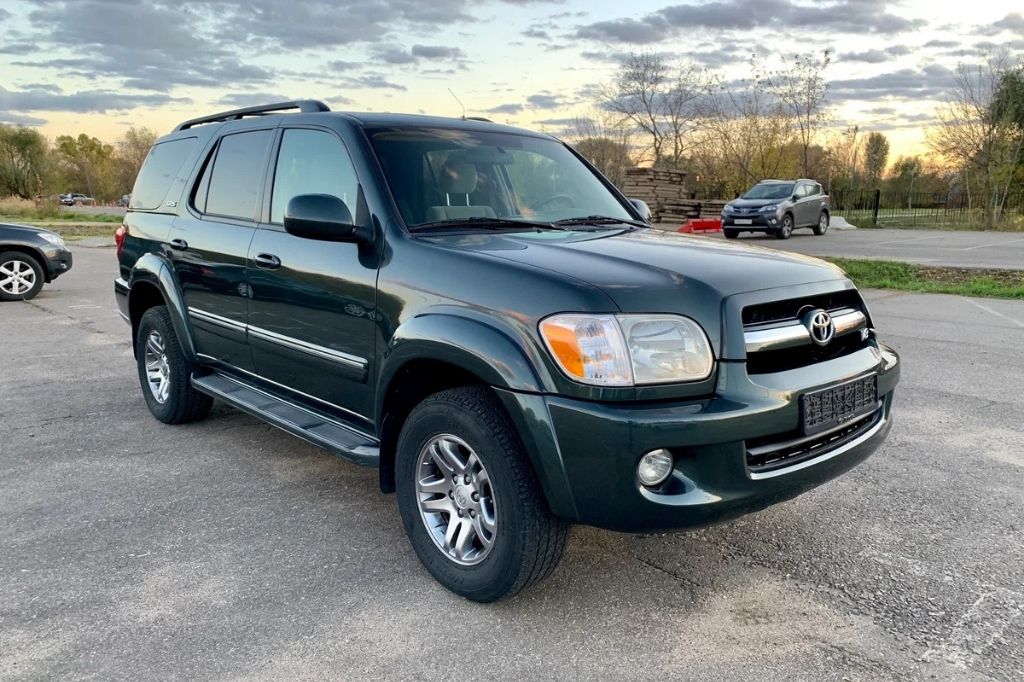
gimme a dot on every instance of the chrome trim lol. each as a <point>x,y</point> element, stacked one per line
<point>796,334</point>
<point>309,348</point>
<point>795,442</point>
<point>217,319</point>
<point>826,456</point>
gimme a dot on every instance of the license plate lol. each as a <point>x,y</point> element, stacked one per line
<point>835,406</point>
<point>743,221</point>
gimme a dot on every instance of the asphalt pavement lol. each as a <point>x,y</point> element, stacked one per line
<point>228,549</point>
<point>974,249</point>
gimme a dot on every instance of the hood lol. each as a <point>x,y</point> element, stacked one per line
<point>24,230</point>
<point>755,203</point>
<point>650,271</point>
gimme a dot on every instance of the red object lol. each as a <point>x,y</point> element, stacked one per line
<point>119,236</point>
<point>701,225</point>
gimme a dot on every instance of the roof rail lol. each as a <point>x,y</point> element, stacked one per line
<point>478,118</point>
<point>303,105</point>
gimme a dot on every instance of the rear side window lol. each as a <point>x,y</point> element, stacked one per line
<point>162,165</point>
<point>312,162</point>
<point>234,182</point>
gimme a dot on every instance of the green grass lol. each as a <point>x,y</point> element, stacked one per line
<point>875,274</point>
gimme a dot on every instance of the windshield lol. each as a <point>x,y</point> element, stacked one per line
<point>773,190</point>
<point>440,175</point>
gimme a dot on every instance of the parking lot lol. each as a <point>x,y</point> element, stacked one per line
<point>130,549</point>
<point>967,249</point>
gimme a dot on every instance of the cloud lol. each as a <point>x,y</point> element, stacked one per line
<point>13,119</point>
<point>398,55</point>
<point>86,101</point>
<point>505,109</point>
<point>437,52</point>
<point>545,101</point>
<point>931,82</point>
<point>373,81</point>
<point>538,33</point>
<point>1011,22</point>
<point>942,43</point>
<point>248,99</point>
<point>876,56</point>
<point>846,16</point>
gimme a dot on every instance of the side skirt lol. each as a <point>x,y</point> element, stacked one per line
<point>312,426</point>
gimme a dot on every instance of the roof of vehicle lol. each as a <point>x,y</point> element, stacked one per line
<point>762,182</point>
<point>362,119</point>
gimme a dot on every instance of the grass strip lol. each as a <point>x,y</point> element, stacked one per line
<point>881,274</point>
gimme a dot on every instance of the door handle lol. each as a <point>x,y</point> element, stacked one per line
<point>267,261</point>
<point>179,244</point>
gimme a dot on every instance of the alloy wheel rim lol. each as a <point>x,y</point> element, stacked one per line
<point>456,500</point>
<point>17,277</point>
<point>823,222</point>
<point>158,372</point>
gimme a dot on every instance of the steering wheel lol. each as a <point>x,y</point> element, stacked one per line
<point>570,202</point>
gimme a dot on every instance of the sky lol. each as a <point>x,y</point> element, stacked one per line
<point>101,66</point>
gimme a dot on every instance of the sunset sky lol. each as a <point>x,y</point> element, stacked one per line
<point>99,66</point>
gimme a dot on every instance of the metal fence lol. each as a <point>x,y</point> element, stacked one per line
<point>882,208</point>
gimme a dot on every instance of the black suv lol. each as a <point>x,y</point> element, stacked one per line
<point>478,313</point>
<point>778,207</point>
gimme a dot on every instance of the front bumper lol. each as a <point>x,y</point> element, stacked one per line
<point>758,221</point>
<point>58,261</point>
<point>597,447</point>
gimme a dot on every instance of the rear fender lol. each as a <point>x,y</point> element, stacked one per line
<point>154,269</point>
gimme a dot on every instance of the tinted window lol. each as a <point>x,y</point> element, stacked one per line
<point>312,162</point>
<point>237,170</point>
<point>163,164</point>
<point>202,189</point>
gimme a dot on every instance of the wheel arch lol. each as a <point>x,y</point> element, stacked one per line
<point>33,253</point>
<point>152,283</point>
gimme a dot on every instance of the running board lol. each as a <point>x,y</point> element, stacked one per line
<point>312,426</point>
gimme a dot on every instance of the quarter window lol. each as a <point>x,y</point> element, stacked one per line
<point>312,162</point>
<point>234,182</point>
<point>163,164</point>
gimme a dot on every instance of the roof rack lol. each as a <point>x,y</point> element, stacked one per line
<point>303,105</point>
<point>478,118</point>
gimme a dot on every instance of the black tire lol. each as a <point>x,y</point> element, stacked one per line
<point>182,403</point>
<point>822,226</point>
<point>731,234</point>
<point>528,541</point>
<point>786,229</point>
<point>11,260</point>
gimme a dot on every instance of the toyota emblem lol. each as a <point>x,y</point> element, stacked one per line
<point>820,326</point>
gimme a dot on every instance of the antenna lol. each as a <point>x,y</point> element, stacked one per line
<point>460,103</point>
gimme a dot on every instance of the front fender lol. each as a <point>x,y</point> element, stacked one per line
<point>470,344</point>
<point>155,270</point>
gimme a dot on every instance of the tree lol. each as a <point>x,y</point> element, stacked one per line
<point>876,157</point>
<point>905,171</point>
<point>660,100</point>
<point>802,90</point>
<point>979,130</point>
<point>87,165</point>
<point>604,143</point>
<point>130,152</point>
<point>23,161</point>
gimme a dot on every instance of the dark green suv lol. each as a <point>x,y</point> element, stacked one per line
<point>478,313</point>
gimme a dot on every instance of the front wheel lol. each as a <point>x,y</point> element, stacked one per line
<point>786,229</point>
<point>731,234</point>
<point>822,226</point>
<point>21,276</point>
<point>164,373</point>
<point>470,502</point>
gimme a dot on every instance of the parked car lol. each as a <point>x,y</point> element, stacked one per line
<point>29,258</point>
<point>479,314</point>
<point>75,199</point>
<point>778,207</point>
<point>124,201</point>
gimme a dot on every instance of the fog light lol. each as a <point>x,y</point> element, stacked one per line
<point>654,467</point>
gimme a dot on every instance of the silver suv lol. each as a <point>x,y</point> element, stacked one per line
<point>778,206</point>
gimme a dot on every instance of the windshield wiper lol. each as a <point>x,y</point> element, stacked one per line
<point>599,220</point>
<point>482,221</point>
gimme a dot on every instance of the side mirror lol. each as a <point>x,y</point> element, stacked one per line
<point>642,208</point>
<point>794,198</point>
<point>320,216</point>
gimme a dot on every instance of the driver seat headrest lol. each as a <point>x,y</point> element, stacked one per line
<point>458,178</point>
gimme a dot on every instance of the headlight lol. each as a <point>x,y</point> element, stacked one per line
<point>628,350</point>
<point>770,207</point>
<point>727,208</point>
<point>52,238</point>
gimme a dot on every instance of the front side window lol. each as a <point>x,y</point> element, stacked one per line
<point>439,175</point>
<point>234,181</point>
<point>312,162</point>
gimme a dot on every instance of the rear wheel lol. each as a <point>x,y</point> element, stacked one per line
<point>731,234</point>
<point>470,502</point>
<point>786,229</point>
<point>21,276</point>
<point>822,226</point>
<point>165,375</point>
